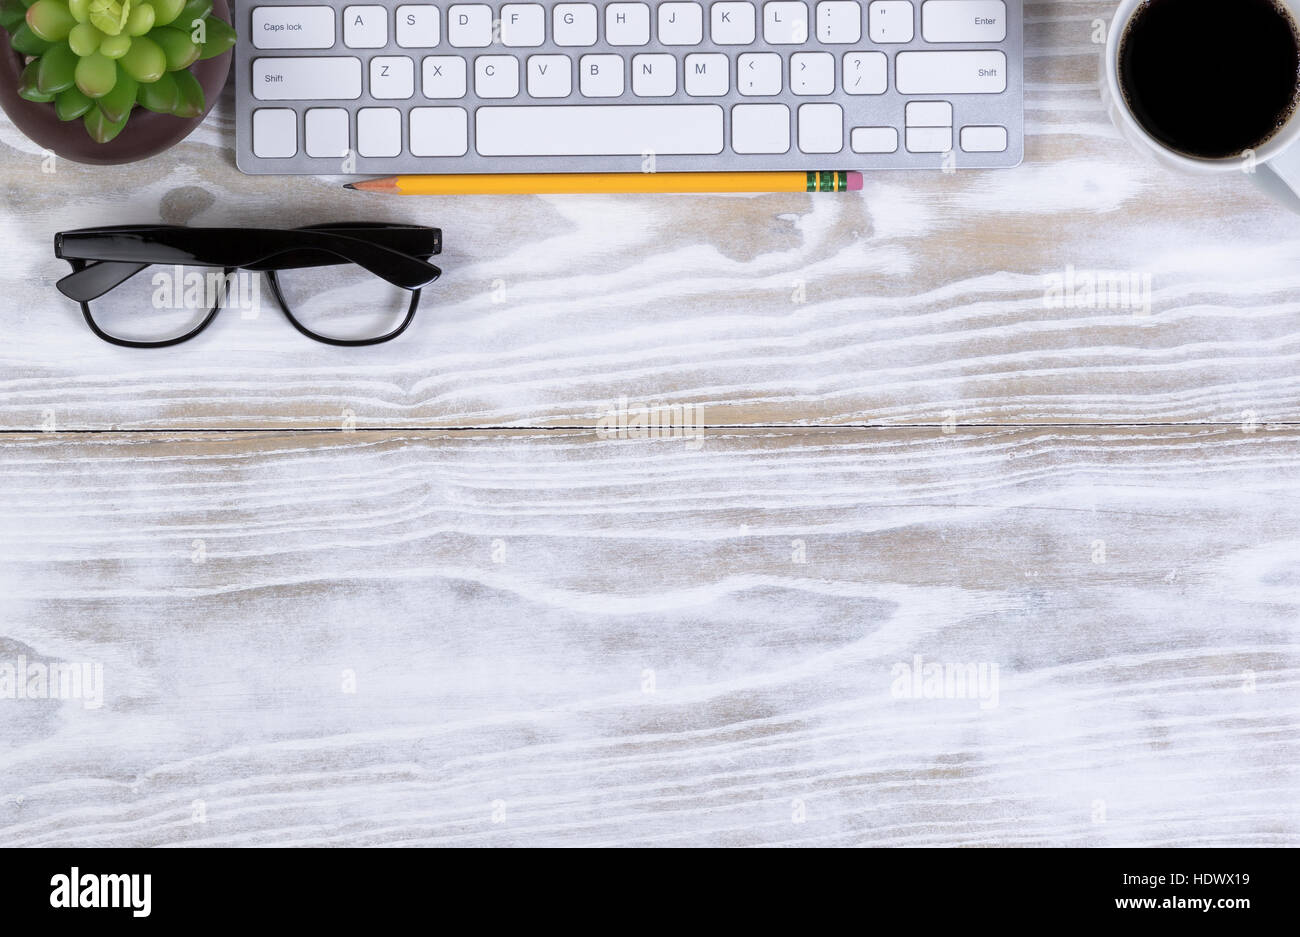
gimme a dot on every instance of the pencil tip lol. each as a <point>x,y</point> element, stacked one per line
<point>349,185</point>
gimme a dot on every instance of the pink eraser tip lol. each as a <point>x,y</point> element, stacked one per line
<point>855,182</point>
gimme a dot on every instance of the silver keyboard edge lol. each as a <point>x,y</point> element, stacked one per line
<point>1005,109</point>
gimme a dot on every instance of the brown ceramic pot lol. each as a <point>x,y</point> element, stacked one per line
<point>145,134</point>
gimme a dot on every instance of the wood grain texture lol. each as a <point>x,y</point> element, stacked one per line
<point>924,295</point>
<point>560,638</point>
<point>520,686</point>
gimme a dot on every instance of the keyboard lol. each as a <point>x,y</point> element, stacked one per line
<point>336,88</point>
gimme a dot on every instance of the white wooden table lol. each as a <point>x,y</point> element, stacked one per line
<point>413,595</point>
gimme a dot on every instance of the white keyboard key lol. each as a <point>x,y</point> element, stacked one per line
<point>874,140</point>
<point>732,24</point>
<point>307,79</point>
<point>821,128</point>
<point>365,27</point>
<point>275,132</point>
<point>444,76</point>
<point>293,27</point>
<point>706,74</point>
<point>627,24</point>
<point>984,139</point>
<point>681,24</point>
<point>417,26</point>
<point>523,24</point>
<point>929,139</point>
<point>550,76</point>
<point>469,25</point>
<point>379,131</point>
<point>326,132</point>
<point>592,130</point>
<point>760,128</point>
<point>964,21</point>
<point>866,73</point>
<point>600,76</point>
<point>496,76</point>
<point>785,23</point>
<point>928,114</point>
<point>839,21</point>
<point>439,131</point>
<point>950,72</point>
<point>392,77</point>
<point>891,21</point>
<point>812,73</point>
<point>758,73</point>
<point>574,24</point>
<point>654,76</point>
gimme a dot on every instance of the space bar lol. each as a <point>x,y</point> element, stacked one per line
<point>599,130</point>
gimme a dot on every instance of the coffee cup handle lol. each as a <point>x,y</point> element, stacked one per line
<point>1280,177</point>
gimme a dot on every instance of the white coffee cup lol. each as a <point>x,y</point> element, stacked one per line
<point>1274,165</point>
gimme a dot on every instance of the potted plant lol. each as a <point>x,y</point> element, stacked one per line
<point>98,62</point>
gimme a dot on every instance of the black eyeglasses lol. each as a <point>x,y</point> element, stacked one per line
<point>159,285</point>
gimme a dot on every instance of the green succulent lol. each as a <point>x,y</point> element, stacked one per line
<point>95,60</point>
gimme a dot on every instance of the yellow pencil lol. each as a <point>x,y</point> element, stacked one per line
<point>611,182</point>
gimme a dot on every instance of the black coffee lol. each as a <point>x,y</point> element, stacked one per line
<point>1211,78</point>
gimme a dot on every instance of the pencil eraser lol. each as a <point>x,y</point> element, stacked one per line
<point>855,182</point>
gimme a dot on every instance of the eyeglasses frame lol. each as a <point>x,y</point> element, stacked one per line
<point>396,253</point>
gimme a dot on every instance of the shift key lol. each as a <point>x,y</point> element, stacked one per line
<point>307,79</point>
<point>951,72</point>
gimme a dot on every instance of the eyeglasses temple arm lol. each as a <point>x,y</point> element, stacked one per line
<point>93,281</point>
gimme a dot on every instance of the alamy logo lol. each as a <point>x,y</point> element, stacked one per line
<point>59,680</point>
<point>179,288</point>
<point>1099,289</point>
<point>920,680</point>
<point>676,421</point>
<point>102,891</point>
